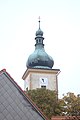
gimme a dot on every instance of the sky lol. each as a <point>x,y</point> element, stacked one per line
<point>60,22</point>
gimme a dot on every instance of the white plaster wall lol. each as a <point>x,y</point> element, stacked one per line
<point>35,77</point>
<point>27,82</point>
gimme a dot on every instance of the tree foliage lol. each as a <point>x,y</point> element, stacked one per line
<point>72,104</point>
<point>47,101</point>
<point>50,105</point>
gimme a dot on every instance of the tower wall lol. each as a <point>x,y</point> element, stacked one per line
<point>33,79</point>
<point>51,81</point>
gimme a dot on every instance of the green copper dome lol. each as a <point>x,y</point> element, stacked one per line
<point>39,32</point>
<point>39,58</point>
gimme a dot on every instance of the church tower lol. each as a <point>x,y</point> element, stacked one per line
<point>39,73</point>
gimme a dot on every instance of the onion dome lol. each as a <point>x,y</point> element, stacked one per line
<point>39,58</point>
<point>39,32</point>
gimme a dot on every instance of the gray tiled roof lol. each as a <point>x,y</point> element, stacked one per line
<point>14,105</point>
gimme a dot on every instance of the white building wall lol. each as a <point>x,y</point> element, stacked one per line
<point>35,81</point>
<point>27,83</point>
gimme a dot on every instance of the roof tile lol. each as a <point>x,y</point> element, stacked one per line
<point>14,104</point>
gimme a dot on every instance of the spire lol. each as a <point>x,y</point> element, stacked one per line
<point>39,37</point>
<point>39,22</point>
<point>39,32</point>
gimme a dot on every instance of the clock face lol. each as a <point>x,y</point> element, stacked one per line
<point>43,81</point>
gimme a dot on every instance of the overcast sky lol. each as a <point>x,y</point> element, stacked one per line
<point>60,22</point>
